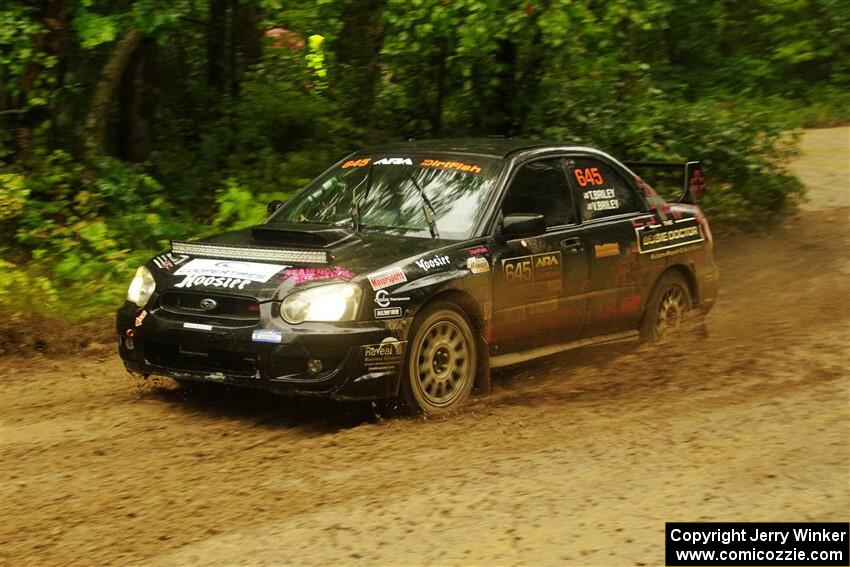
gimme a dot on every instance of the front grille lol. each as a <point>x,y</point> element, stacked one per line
<point>200,359</point>
<point>201,304</point>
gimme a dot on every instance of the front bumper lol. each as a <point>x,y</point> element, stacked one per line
<point>189,348</point>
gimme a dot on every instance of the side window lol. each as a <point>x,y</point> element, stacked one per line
<point>541,187</point>
<point>601,190</point>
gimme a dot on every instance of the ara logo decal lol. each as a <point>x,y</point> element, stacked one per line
<point>428,264</point>
<point>535,268</point>
<point>394,161</point>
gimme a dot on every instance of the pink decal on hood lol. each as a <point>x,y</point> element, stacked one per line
<point>301,275</point>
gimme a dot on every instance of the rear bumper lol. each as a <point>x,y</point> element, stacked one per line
<point>164,345</point>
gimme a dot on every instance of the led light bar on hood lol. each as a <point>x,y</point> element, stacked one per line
<point>243,253</point>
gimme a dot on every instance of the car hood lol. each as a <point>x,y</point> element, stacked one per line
<point>310,254</point>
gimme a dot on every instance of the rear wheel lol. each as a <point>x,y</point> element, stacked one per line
<point>442,359</point>
<point>667,309</point>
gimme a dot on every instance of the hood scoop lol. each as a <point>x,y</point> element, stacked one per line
<point>304,236</point>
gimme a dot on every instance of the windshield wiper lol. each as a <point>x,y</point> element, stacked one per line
<point>355,202</point>
<point>427,208</point>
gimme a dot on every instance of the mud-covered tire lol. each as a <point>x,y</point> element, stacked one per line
<point>667,309</point>
<point>441,361</point>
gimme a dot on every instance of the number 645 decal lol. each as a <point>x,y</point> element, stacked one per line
<point>588,176</point>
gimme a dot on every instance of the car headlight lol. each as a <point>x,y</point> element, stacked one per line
<point>334,302</point>
<point>141,288</point>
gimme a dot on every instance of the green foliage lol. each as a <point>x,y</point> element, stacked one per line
<point>644,79</point>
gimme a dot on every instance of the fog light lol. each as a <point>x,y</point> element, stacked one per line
<point>314,365</point>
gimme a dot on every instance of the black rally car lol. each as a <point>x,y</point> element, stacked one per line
<point>411,269</point>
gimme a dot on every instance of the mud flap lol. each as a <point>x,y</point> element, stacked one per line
<point>482,386</point>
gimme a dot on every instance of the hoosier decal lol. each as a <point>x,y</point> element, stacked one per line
<point>428,264</point>
<point>680,233</point>
<point>530,269</point>
<point>213,281</point>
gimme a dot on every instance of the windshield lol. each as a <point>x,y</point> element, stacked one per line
<point>426,195</point>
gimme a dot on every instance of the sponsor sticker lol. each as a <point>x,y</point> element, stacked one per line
<point>478,250</point>
<point>383,298</point>
<point>266,336</point>
<point>478,265</point>
<point>384,355</point>
<point>251,271</point>
<point>387,278</point>
<point>607,249</point>
<point>429,264</point>
<point>197,326</point>
<point>212,281</point>
<point>394,161</point>
<point>456,165</point>
<point>168,261</point>
<point>680,233</point>
<point>534,268</point>
<point>301,275</point>
<point>388,313</point>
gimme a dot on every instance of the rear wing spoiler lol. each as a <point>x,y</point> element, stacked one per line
<point>693,184</point>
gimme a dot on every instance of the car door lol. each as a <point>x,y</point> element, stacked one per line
<point>609,207</point>
<point>539,282</point>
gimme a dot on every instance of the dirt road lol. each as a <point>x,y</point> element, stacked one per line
<point>575,460</point>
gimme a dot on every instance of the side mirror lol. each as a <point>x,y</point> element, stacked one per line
<point>522,225</point>
<point>274,206</point>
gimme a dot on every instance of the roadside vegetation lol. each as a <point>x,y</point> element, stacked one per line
<point>126,124</point>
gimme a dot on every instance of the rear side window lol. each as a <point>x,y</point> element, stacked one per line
<point>602,192</point>
<point>541,187</point>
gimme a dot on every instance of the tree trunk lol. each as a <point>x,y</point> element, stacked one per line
<point>217,45</point>
<point>357,50</point>
<point>135,129</point>
<point>110,77</point>
<point>250,36</point>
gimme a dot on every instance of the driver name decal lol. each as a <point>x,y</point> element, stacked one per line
<point>682,232</point>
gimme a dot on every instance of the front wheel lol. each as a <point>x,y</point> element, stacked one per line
<point>442,359</point>
<point>667,309</point>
